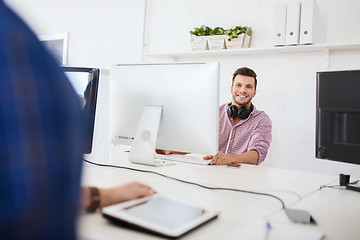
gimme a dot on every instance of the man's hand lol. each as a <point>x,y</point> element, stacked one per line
<point>219,159</point>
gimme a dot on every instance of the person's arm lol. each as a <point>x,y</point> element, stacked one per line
<point>110,196</point>
<point>221,158</point>
<point>261,139</point>
<point>259,145</point>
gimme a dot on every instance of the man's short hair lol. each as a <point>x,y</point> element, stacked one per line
<point>245,71</point>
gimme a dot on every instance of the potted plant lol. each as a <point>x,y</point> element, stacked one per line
<point>217,39</point>
<point>199,38</point>
<point>205,38</point>
<point>238,37</point>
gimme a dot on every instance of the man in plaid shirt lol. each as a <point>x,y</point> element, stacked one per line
<point>244,131</point>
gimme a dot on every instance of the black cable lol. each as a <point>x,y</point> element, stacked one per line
<point>192,183</point>
<point>354,182</point>
<point>332,186</point>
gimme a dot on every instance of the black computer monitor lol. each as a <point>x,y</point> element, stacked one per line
<point>85,82</point>
<point>338,116</point>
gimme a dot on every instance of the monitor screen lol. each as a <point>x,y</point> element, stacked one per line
<point>188,94</point>
<point>338,116</point>
<point>85,82</point>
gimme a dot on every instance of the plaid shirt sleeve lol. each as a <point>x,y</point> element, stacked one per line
<point>261,138</point>
<point>40,138</point>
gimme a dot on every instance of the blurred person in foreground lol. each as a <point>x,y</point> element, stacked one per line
<point>41,142</point>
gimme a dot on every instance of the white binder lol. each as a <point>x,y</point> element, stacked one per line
<point>293,23</point>
<point>279,24</point>
<point>310,27</point>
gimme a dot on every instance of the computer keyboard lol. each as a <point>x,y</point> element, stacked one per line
<point>183,158</point>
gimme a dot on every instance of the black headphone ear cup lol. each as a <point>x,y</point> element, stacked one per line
<point>232,111</point>
<point>243,112</point>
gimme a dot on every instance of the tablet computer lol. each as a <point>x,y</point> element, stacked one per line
<point>160,215</point>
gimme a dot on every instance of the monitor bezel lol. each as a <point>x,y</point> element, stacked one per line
<point>332,100</point>
<point>93,79</point>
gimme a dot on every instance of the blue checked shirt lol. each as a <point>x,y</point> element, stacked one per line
<point>40,139</point>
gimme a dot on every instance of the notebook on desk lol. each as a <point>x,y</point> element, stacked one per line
<point>159,215</point>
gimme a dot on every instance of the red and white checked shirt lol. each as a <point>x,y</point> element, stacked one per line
<point>253,133</point>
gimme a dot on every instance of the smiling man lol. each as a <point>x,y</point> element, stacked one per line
<point>244,131</point>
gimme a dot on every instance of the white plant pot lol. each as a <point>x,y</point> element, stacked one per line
<point>217,42</point>
<point>247,41</point>
<point>235,42</point>
<point>199,43</point>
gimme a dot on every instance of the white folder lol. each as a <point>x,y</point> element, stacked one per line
<point>279,24</point>
<point>293,23</point>
<point>310,27</point>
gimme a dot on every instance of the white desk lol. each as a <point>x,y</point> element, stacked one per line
<point>237,209</point>
<point>337,212</point>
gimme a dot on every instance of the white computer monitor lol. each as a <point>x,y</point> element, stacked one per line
<point>187,99</point>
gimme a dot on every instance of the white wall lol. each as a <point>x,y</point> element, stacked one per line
<point>170,21</point>
<point>105,32</point>
<point>100,32</point>
<point>286,81</point>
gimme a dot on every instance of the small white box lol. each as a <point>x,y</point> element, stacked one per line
<point>293,23</point>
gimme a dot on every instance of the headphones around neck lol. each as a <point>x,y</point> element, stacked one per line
<point>242,113</point>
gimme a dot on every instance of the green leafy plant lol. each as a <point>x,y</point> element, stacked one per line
<point>232,32</point>
<point>217,31</point>
<point>236,31</point>
<point>202,31</point>
<point>207,31</point>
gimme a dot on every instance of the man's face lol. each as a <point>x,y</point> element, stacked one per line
<point>243,90</point>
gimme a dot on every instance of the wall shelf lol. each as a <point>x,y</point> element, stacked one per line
<point>250,51</point>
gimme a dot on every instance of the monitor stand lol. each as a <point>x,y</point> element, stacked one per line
<point>143,146</point>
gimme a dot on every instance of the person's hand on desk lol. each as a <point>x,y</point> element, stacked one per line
<point>122,193</point>
<point>221,158</point>
<point>109,196</point>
